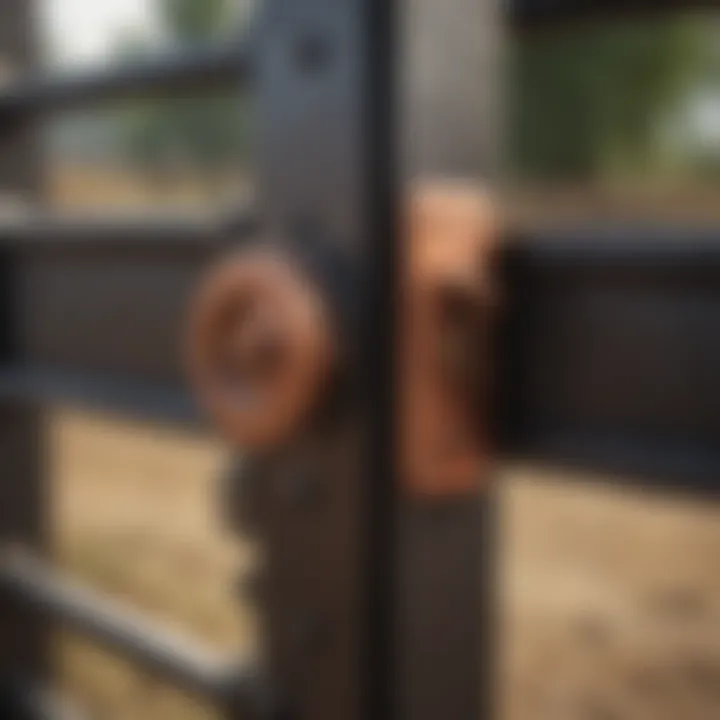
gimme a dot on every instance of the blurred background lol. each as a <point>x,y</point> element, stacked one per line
<point>618,117</point>
<point>618,112</point>
<point>146,154</point>
<point>611,598</point>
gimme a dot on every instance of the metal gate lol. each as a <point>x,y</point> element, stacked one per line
<point>376,603</point>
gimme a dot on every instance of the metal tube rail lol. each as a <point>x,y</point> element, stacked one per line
<point>145,400</point>
<point>175,73</point>
<point>32,230</point>
<point>552,13</point>
<point>119,629</point>
<point>23,700</point>
<point>608,352</point>
<point>647,247</point>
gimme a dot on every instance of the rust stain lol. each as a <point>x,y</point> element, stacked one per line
<point>446,314</point>
<point>259,348</point>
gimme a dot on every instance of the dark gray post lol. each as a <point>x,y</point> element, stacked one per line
<point>23,493</point>
<point>450,76</point>
<point>451,82</point>
<point>326,189</point>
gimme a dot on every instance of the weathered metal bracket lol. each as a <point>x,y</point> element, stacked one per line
<point>448,296</point>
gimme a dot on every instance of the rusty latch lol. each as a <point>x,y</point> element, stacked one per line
<point>262,349</point>
<point>447,306</point>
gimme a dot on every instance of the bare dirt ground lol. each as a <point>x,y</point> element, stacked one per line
<point>74,187</point>
<point>612,603</point>
<point>611,600</point>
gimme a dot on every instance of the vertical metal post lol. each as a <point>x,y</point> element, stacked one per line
<point>374,601</point>
<point>326,189</point>
<point>450,76</point>
<point>19,148</point>
<point>23,493</point>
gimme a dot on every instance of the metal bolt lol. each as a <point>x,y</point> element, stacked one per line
<point>311,53</point>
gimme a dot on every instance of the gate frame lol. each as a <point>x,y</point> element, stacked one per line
<point>346,119</point>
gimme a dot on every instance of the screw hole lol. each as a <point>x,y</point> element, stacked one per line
<point>311,54</point>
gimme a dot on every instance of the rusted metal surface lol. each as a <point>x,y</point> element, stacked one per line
<point>448,300</point>
<point>260,348</point>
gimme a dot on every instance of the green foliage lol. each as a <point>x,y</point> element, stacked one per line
<point>594,102</point>
<point>205,134</point>
<point>190,21</point>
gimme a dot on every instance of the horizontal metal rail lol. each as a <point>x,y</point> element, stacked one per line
<point>191,667</point>
<point>25,700</point>
<point>31,230</point>
<point>141,399</point>
<point>175,73</point>
<point>608,353</point>
<point>621,246</point>
<point>551,12</point>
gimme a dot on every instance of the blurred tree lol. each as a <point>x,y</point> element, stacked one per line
<point>204,135</point>
<point>598,101</point>
<point>193,21</point>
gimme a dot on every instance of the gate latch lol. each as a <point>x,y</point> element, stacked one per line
<point>262,342</point>
<point>447,303</point>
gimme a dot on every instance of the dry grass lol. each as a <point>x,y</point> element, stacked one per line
<point>76,187</point>
<point>612,600</point>
<point>612,604</point>
<point>134,516</point>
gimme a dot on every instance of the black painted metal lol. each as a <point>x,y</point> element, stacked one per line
<point>24,641</point>
<point>610,354</point>
<point>31,231</point>
<point>325,153</point>
<point>99,307</point>
<point>176,659</point>
<point>117,393</point>
<point>552,13</point>
<point>25,700</point>
<point>107,309</point>
<point>178,73</point>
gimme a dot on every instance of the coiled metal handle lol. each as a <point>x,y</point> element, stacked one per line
<point>260,347</point>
